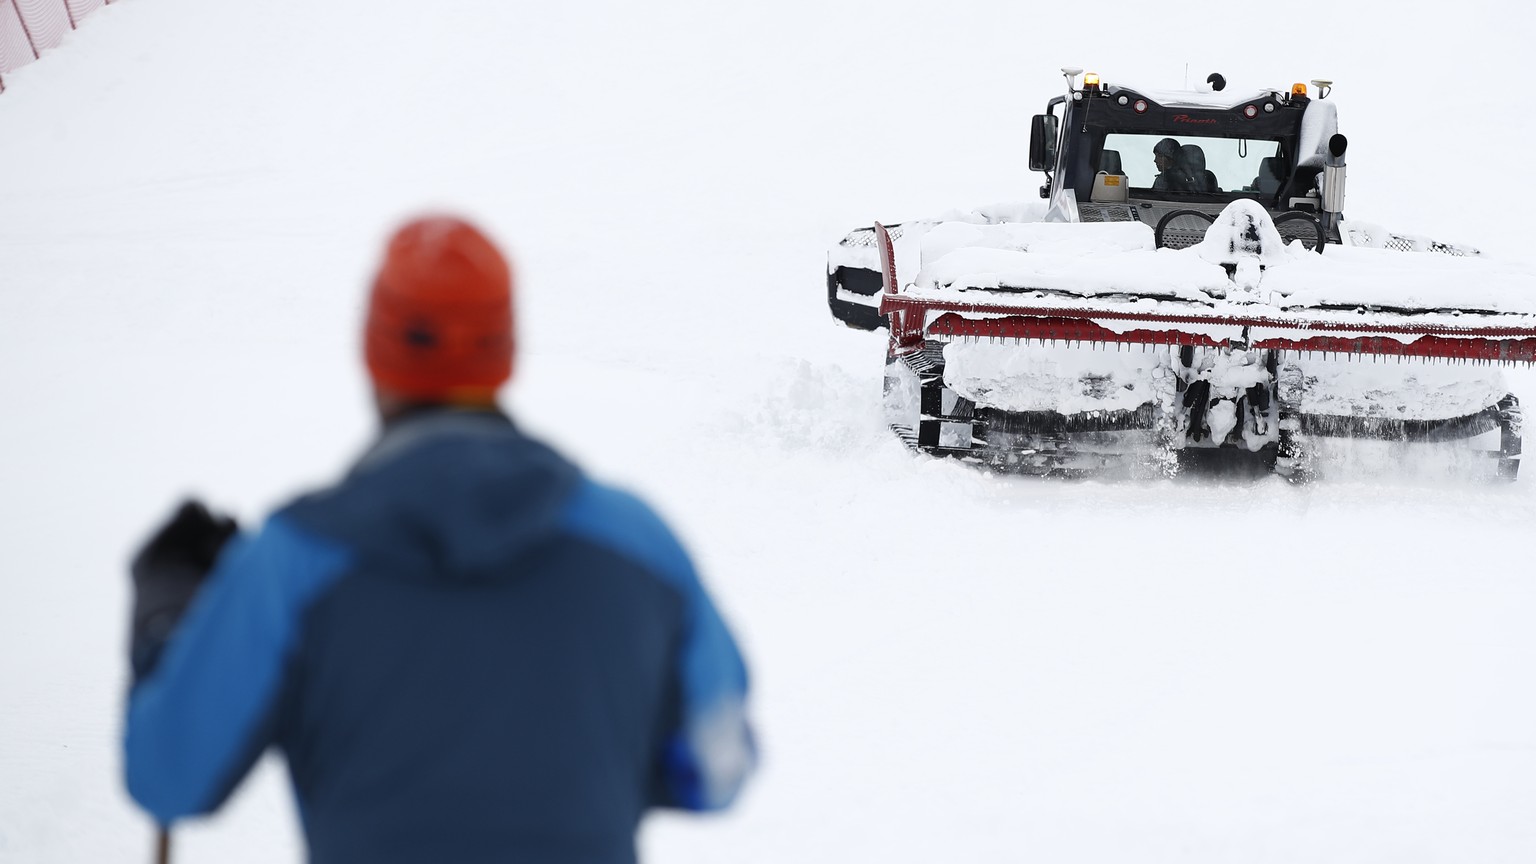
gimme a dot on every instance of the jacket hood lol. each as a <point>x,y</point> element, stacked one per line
<point>447,492</point>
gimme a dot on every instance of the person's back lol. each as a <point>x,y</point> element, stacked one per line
<point>468,652</point>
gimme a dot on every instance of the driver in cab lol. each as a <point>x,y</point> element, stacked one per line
<point>1171,176</point>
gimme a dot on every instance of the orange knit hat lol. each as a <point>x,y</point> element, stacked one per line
<point>440,317</point>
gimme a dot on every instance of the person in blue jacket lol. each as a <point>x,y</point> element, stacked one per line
<point>467,649</point>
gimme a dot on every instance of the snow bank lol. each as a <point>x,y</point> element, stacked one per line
<point>1162,273</point>
<point>1000,212</point>
<point>858,248</point>
<point>1102,260</point>
<point>1044,238</point>
<point>1346,276</point>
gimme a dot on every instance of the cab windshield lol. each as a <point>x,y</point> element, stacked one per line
<point>1191,164</point>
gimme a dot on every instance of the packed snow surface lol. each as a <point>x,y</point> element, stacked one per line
<point>947,665</point>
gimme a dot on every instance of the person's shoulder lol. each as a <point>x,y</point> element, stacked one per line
<point>308,512</point>
<point>288,526</point>
<point>283,555</point>
<point>621,522</point>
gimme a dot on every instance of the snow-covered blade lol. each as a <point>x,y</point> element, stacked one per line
<point>1242,286</point>
<point>1003,345</point>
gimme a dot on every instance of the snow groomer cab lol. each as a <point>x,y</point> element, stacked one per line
<point>1174,160</point>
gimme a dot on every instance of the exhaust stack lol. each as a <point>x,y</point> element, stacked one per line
<point>1333,181</point>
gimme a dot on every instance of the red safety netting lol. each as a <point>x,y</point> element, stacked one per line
<point>47,21</point>
<point>80,8</point>
<point>30,27</point>
<point>15,48</point>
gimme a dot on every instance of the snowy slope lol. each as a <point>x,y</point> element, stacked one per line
<point>192,196</point>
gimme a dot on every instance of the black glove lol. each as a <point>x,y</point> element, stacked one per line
<point>166,575</point>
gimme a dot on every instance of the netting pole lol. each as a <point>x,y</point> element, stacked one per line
<point>70,13</point>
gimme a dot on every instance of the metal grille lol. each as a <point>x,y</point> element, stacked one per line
<point>1399,243</point>
<point>1448,249</point>
<point>1300,226</point>
<point>866,236</point>
<point>1106,213</point>
<point>1182,229</point>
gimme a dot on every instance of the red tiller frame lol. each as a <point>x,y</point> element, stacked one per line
<point>1506,344</point>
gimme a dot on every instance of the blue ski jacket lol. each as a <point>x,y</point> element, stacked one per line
<point>467,650</point>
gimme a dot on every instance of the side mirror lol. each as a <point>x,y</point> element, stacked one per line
<point>1042,142</point>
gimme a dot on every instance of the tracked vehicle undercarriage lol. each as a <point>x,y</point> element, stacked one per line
<point>1193,421</point>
